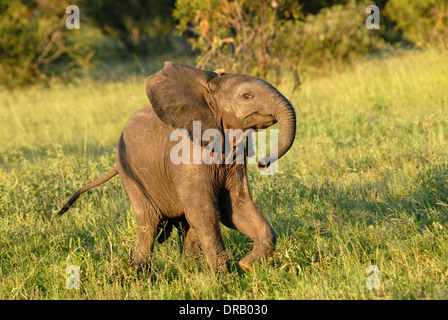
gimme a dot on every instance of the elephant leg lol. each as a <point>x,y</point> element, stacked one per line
<point>206,230</point>
<point>243,215</point>
<point>204,227</point>
<point>147,223</point>
<point>191,246</point>
<point>146,235</point>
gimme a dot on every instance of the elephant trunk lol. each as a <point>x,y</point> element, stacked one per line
<point>286,119</point>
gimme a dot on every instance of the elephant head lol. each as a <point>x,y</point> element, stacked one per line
<point>181,94</point>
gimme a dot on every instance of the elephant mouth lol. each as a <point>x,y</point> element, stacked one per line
<point>262,127</point>
<point>261,121</point>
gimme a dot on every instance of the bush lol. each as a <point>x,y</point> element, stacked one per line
<point>142,26</point>
<point>337,35</point>
<point>33,38</point>
<point>237,36</point>
<point>423,22</point>
<point>267,38</point>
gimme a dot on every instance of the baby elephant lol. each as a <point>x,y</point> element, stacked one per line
<point>201,189</point>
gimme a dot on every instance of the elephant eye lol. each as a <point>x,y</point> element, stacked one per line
<point>247,96</point>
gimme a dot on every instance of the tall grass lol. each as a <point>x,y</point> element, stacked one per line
<point>366,183</point>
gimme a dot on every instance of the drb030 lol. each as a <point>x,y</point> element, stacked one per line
<point>245,309</point>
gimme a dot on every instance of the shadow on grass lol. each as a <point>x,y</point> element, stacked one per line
<point>424,199</point>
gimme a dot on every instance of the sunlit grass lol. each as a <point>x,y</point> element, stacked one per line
<point>366,183</point>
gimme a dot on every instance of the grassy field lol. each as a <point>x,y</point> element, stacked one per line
<point>366,183</point>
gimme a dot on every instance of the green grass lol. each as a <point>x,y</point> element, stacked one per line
<point>366,183</point>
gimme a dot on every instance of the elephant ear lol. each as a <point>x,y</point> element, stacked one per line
<point>178,95</point>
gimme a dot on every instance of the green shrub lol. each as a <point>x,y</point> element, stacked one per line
<point>267,38</point>
<point>423,22</point>
<point>33,38</point>
<point>237,36</point>
<point>338,34</point>
<point>142,26</point>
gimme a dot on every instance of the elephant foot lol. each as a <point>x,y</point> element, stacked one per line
<point>248,262</point>
<point>221,265</point>
<point>141,269</point>
<point>244,264</point>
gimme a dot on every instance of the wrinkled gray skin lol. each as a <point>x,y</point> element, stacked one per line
<point>195,198</point>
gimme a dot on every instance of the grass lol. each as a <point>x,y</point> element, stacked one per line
<point>366,183</point>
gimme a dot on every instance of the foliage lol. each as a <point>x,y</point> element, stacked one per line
<point>277,40</point>
<point>266,38</point>
<point>237,36</point>
<point>423,22</point>
<point>33,37</point>
<point>364,184</point>
<point>337,35</point>
<point>142,26</point>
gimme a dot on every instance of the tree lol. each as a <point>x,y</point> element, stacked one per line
<point>240,35</point>
<point>422,22</point>
<point>142,26</point>
<point>33,38</point>
<point>270,39</point>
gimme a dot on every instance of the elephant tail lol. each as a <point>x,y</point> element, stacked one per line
<point>89,186</point>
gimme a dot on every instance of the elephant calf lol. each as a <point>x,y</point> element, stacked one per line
<point>196,197</point>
